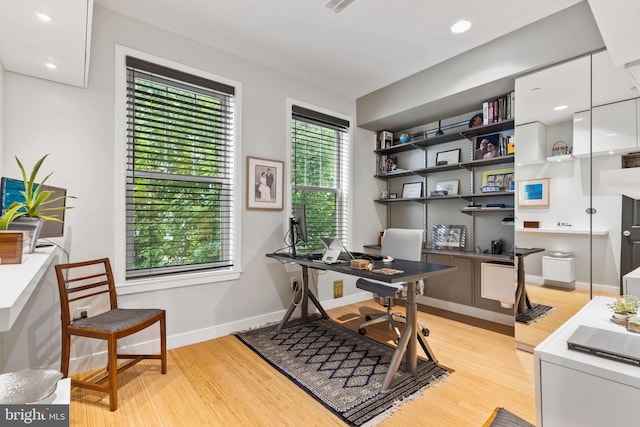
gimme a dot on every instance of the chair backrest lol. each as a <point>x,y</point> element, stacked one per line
<point>83,280</point>
<point>403,243</point>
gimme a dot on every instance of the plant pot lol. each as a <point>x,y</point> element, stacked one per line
<point>12,245</point>
<point>621,317</point>
<point>34,225</point>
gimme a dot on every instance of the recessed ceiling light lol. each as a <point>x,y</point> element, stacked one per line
<point>560,107</point>
<point>611,134</point>
<point>51,65</point>
<point>461,26</point>
<point>43,16</point>
<point>578,119</point>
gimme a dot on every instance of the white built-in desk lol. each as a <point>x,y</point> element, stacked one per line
<point>18,282</point>
<point>30,313</point>
<point>579,389</point>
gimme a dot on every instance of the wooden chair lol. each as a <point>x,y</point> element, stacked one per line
<point>90,280</point>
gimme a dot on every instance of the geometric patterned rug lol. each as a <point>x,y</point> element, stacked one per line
<point>534,313</point>
<point>340,368</point>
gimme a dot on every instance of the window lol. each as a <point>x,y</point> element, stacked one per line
<point>180,171</point>
<point>320,173</point>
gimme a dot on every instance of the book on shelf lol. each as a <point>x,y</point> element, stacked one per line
<point>499,109</point>
<point>387,164</point>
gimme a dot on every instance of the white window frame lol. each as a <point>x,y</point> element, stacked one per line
<point>130,286</point>
<point>289,110</point>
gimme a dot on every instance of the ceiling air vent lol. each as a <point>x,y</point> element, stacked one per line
<point>337,6</point>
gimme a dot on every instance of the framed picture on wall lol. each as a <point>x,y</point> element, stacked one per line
<point>533,192</point>
<point>264,184</point>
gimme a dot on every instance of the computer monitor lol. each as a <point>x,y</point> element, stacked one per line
<point>10,191</point>
<point>298,227</point>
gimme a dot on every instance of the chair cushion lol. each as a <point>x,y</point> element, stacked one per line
<point>382,289</point>
<point>28,385</point>
<point>117,319</point>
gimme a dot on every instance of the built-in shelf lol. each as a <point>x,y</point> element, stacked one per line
<point>566,230</point>
<point>555,159</point>
<point>422,141</point>
<point>485,210</point>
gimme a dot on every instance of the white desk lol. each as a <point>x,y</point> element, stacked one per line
<point>18,282</point>
<point>579,389</point>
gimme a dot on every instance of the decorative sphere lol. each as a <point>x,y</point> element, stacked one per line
<point>405,137</point>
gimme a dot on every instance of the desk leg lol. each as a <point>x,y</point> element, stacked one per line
<point>302,297</point>
<point>408,342</point>
<point>522,299</point>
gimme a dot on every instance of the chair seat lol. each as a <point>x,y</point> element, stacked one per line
<point>383,289</point>
<point>116,319</point>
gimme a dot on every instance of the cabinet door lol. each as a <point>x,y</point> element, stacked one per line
<point>581,130</point>
<point>614,129</point>
<point>530,143</point>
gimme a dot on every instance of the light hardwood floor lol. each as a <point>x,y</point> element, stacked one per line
<point>223,383</point>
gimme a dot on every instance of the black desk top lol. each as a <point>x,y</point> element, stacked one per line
<point>413,270</point>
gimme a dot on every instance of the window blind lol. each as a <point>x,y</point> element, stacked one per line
<point>320,178</point>
<point>180,159</point>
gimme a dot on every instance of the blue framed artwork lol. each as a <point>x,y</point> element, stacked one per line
<point>533,192</point>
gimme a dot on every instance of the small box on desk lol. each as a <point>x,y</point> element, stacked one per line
<point>531,224</point>
<point>11,245</point>
<point>359,264</point>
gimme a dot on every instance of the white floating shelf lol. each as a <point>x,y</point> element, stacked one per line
<point>563,158</point>
<point>596,232</point>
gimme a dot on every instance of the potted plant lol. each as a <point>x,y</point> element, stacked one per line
<point>624,306</point>
<point>31,212</point>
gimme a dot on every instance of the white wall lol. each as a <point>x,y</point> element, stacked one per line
<point>77,127</point>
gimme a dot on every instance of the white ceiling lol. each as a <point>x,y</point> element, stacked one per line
<point>371,44</point>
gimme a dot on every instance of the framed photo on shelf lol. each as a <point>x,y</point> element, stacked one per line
<point>411,190</point>
<point>487,146</point>
<point>451,187</point>
<point>499,178</point>
<point>533,192</point>
<point>264,184</point>
<point>448,236</point>
<point>448,157</point>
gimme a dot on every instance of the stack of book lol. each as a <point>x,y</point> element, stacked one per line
<point>498,110</point>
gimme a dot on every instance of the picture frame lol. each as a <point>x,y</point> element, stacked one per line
<point>265,184</point>
<point>533,192</point>
<point>451,187</point>
<point>411,190</point>
<point>448,157</point>
<point>481,150</point>
<point>452,237</point>
<point>502,178</point>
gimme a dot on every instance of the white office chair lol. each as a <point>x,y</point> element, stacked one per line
<point>398,243</point>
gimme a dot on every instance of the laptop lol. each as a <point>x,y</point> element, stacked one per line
<point>332,249</point>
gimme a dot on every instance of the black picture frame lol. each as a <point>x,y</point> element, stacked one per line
<point>448,157</point>
<point>480,149</point>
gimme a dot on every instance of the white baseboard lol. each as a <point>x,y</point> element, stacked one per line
<point>491,316</point>
<point>580,286</point>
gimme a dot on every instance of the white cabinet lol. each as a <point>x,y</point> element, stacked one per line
<point>498,283</point>
<point>610,84</point>
<point>579,389</point>
<point>559,269</point>
<point>631,282</point>
<point>530,143</point>
<point>614,129</point>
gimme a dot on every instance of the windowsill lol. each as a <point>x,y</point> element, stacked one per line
<point>136,286</point>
